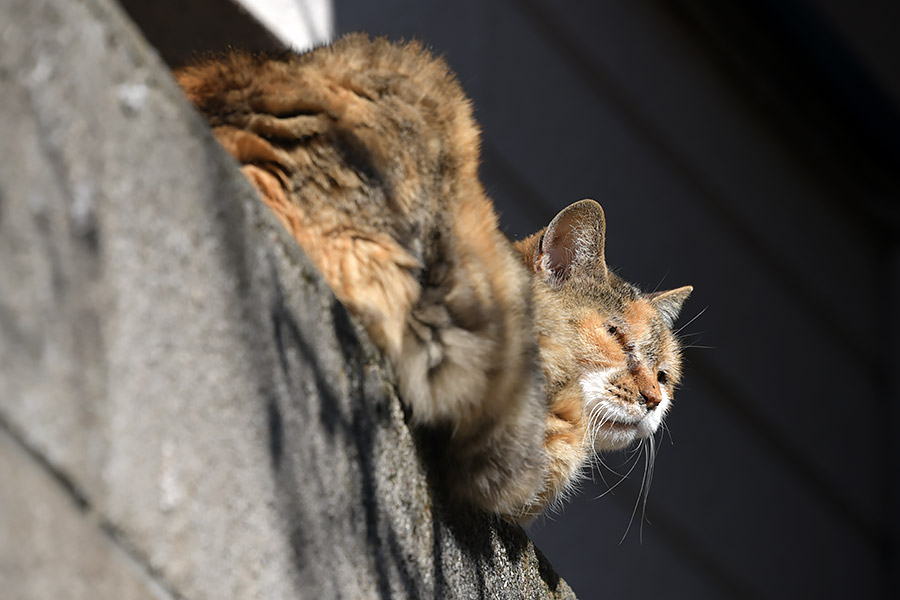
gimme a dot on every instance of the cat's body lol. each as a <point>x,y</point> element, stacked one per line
<point>368,154</point>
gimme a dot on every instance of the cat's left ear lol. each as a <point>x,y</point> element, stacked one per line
<point>669,303</point>
<point>573,243</point>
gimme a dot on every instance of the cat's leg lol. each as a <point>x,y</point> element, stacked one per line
<point>566,447</point>
<point>372,275</point>
<point>459,331</point>
<point>470,362</point>
<point>462,346</point>
<point>368,271</point>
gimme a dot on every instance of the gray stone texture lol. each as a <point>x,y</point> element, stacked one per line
<point>51,548</point>
<point>185,410</point>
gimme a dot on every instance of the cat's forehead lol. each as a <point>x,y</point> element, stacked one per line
<point>618,303</point>
<point>610,295</point>
<point>628,325</point>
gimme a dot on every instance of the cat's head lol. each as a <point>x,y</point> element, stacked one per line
<point>627,358</point>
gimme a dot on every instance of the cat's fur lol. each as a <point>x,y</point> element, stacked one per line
<point>534,355</point>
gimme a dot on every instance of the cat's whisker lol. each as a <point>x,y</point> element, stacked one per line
<point>623,478</point>
<point>634,451</point>
<point>605,418</point>
<point>626,461</point>
<point>694,334</point>
<point>659,285</point>
<point>597,412</point>
<point>599,471</point>
<point>683,327</point>
<point>593,471</point>
<point>599,464</point>
<point>647,480</point>
<point>667,431</point>
<point>604,415</point>
<point>590,429</point>
<point>637,501</point>
<point>651,462</point>
<point>608,468</point>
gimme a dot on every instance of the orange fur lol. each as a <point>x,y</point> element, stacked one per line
<point>367,153</point>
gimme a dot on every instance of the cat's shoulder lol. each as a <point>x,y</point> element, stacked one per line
<point>372,68</point>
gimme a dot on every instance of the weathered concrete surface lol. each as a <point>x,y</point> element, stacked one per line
<point>47,536</point>
<point>174,365</point>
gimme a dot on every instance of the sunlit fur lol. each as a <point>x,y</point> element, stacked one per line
<point>367,152</point>
<point>606,344</point>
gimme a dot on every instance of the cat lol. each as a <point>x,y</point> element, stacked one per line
<point>534,354</point>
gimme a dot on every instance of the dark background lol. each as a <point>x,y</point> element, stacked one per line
<point>751,149</point>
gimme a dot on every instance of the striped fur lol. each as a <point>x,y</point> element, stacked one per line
<point>367,152</point>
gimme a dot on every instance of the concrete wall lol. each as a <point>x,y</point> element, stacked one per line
<point>185,410</point>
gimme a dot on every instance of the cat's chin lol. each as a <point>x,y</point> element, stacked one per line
<point>613,436</point>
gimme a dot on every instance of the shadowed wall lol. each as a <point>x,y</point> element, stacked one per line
<point>185,409</point>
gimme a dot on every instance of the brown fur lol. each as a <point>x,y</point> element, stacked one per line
<point>367,152</point>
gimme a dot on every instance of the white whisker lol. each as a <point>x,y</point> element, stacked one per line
<point>638,499</point>
<point>667,431</point>
<point>651,462</point>
<point>623,478</point>
<point>658,285</point>
<point>610,469</point>
<point>697,316</point>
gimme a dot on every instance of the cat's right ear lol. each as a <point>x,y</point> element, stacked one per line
<point>669,303</point>
<point>573,243</point>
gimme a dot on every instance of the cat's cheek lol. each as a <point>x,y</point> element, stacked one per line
<point>595,384</point>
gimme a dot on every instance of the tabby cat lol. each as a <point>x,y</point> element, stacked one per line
<point>534,354</point>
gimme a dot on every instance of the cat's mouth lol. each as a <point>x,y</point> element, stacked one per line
<point>623,425</point>
<point>615,435</point>
<point>618,434</point>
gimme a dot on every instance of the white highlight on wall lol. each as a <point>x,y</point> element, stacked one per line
<point>298,23</point>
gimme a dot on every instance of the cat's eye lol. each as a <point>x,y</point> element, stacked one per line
<point>662,377</point>
<point>612,330</point>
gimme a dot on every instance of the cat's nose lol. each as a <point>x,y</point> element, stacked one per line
<point>651,398</point>
<point>649,394</point>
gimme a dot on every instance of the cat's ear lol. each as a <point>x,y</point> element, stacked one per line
<point>669,303</point>
<point>573,243</point>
